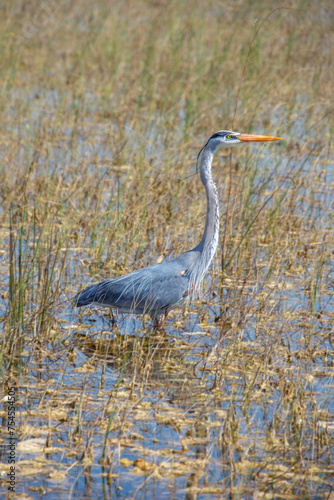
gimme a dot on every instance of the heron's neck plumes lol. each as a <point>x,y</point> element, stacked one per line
<point>209,242</point>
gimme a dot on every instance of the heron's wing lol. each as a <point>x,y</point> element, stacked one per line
<point>148,289</point>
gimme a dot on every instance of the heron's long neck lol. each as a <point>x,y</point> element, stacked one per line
<point>209,242</point>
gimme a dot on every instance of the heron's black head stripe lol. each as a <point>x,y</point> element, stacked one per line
<point>222,133</point>
<point>217,134</point>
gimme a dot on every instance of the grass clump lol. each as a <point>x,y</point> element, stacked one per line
<point>103,110</point>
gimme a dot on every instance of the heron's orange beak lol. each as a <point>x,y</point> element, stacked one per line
<point>256,138</point>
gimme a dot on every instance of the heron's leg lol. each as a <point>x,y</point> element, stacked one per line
<point>112,317</point>
<point>159,320</point>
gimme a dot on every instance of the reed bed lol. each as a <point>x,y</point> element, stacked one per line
<point>104,107</point>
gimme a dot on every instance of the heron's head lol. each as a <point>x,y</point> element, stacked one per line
<point>227,139</point>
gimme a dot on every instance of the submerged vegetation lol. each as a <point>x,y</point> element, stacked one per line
<point>104,107</point>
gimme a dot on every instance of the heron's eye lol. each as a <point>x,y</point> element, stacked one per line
<point>228,137</point>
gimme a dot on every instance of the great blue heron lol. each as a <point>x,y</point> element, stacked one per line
<point>157,289</point>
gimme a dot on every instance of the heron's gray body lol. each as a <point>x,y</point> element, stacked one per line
<point>153,290</point>
<point>157,289</point>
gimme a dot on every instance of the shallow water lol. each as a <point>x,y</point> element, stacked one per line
<point>231,399</point>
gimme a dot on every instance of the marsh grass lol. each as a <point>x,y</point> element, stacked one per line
<point>103,110</point>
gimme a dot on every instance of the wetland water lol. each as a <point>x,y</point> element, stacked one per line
<point>104,108</point>
<point>237,397</point>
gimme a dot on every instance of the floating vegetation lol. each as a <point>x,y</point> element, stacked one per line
<point>103,111</point>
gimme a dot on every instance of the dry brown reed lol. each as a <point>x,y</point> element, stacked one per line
<point>103,108</point>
